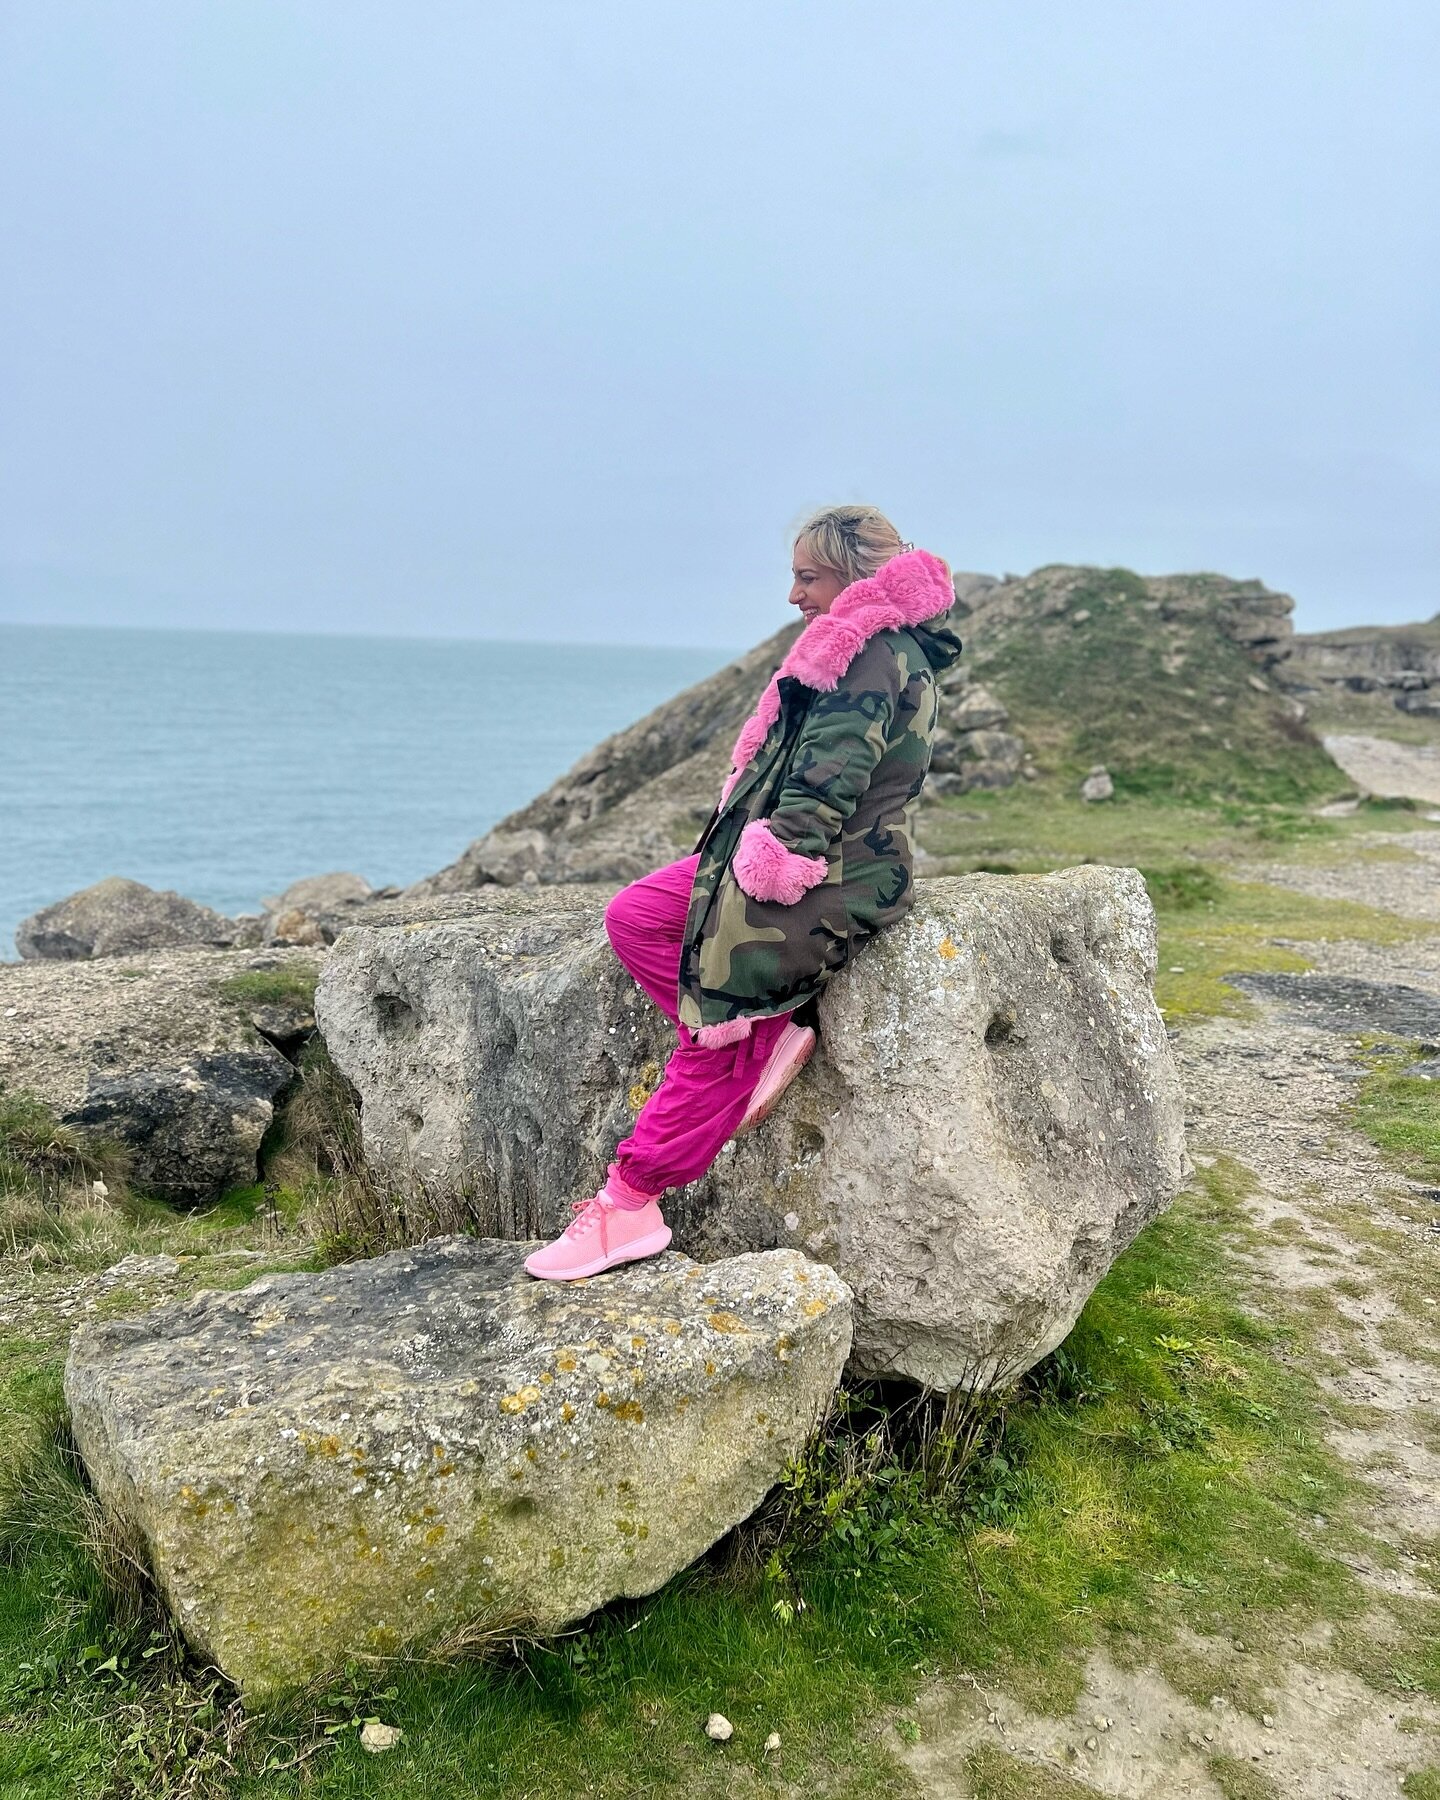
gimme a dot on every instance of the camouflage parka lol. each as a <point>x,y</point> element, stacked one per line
<point>808,854</point>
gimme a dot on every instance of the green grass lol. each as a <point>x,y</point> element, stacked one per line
<point>1400,1114</point>
<point>1159,1470</point>
<point>292,984</point>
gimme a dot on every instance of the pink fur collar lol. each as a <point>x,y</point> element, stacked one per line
<point>910,588</point>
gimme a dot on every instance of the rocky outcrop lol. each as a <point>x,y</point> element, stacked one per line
<point>179,1054</point>
<point>1398,664</point>
<point>431,1446</point>
<point>641,798</point>
<point>992,1115</point>
<point>972,748</point>
<point>117,917</point>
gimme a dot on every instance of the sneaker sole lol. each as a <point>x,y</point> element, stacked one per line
<point>772,1100</point>
<point>637,1251</point>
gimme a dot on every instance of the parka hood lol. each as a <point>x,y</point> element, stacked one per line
<point>940,642</point>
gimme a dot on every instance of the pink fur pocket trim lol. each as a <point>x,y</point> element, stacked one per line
<point>716,1037</point>
<point>766,870</point>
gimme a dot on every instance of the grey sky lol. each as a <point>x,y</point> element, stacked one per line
<point>547,319</point>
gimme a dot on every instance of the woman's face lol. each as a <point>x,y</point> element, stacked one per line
<point>814,589</point>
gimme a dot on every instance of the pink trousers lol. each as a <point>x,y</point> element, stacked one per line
<point>703,1095</point>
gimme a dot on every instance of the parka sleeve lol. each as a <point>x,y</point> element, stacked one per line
<point>844,735</point>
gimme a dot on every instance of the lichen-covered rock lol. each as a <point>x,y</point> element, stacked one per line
<point>166,1052</point>
<point>992,1115</point>
<point>116,917</point>
<point>431,1444</point>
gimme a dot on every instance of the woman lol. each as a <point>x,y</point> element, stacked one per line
<point>805,858</point>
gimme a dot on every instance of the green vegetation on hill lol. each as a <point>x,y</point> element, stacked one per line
<point>1153,688</point>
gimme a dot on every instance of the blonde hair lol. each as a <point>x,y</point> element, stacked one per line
<point>850,541</point>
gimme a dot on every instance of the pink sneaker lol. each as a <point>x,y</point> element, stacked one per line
<point>787,1059</point>
<point>600,1235</point>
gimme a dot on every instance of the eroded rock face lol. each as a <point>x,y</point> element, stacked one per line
<point>165,1052</point>
<point>432,1443</point>
<point>117,917</point>
<point>991,1117</point>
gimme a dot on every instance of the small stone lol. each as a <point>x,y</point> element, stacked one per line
<point>1101,1723</point>
<point>1193,1738</point>
<point>1267,1721</point>
<point>1238,1643</point>
<point>772,1743</point>
<point>1092,1743</point>
<point>1079,618</point>
<point>718,1727</point>
<point>99,1189</point>
<point>376,1737</point>
<point>1097,785</point>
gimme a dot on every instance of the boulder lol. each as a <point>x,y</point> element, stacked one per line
<point>313,911</point>
<point>1098,784</point>
<point>991,1116</point>
<point>167,1053</point>
<point>117,917</point>
<point>976,709</point>
<point>430,1446</point>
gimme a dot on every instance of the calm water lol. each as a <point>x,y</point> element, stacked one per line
<point>226,765</point>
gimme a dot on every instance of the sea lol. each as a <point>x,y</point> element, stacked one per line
<point>226,765</point>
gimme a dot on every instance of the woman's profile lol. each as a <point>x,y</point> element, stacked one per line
<point>806,856</point>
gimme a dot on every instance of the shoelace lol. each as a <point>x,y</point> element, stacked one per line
<point>585,1219</point>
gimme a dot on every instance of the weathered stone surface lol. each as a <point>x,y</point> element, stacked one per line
<point>117,917</point>
<point>431,1443</point>
<point>150,1050</point>
<point>992,1114</point>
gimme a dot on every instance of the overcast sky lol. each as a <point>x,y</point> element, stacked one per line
<point>547,320</point>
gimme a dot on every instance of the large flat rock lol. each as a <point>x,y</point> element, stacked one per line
<point>992,1116</point>
<point>431,1444</point>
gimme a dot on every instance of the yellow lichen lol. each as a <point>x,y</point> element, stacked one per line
<point>947,949</point>
<point>726,1321</point>
<point>815,1307</point>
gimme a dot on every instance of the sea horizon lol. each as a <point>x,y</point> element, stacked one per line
<point>226,764</point>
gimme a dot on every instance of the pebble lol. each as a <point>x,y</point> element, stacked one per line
<point>1092,1743</point>
<point>1101,1723</point>
<point>718,1727</point>
<point>376,1737</point>
<point>1267,1721</point>
<point>772,1743</point>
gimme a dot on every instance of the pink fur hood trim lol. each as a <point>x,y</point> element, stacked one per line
<point>909,589</point>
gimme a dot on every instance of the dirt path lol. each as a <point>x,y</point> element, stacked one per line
<point>1348,1238</point>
